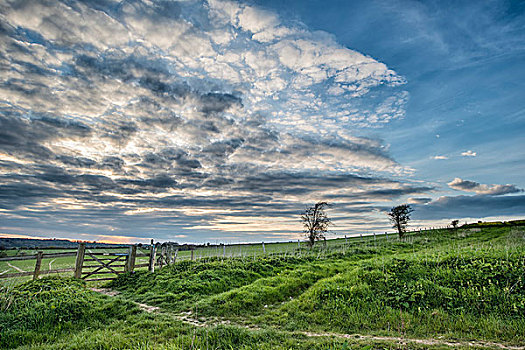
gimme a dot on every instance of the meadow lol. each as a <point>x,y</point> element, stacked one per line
<point>439,289</point>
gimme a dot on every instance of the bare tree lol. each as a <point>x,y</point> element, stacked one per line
<point>316,222</point>
<point>399,216</point>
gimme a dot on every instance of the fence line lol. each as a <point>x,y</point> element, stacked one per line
<point>89,264</point>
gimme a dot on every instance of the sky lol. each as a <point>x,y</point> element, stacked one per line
<point>221,121</point>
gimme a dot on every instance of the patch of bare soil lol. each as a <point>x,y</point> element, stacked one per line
<point>112,293</point>
<point>105,291</point>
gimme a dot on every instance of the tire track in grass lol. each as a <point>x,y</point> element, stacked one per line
<point>15,267</point>
<point>51,262</point>
<point>187,318</point>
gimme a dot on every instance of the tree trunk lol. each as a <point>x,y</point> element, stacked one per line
<point>400,231</point>
<point>311,239</point>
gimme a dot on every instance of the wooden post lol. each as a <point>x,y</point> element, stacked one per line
<point>191,253</point>
<point>264,248</point>
<point>130,266</point>
<point>299,243</point>
<point>37,265</point>
<point>80,260</point>
<point>152,253</point>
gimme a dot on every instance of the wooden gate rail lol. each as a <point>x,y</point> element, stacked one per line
<point>106,261</point>
<point>37,272</point>
<point>99,263</point>
<point>44,256</point>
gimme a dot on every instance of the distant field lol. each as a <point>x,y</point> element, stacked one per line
<point>227,251</point>
<point>441,289</point>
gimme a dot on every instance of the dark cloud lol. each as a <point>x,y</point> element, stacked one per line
<point>471,186</point>
<point>25,134</point>
<point>477,206</point>
<point>419,200</point>
<point>161,181</point>
<point>300,182</point>
<point>386,193</point>
<point>215,102</point>
<point>14,195</point>
<point>112,163</point>
<point>224,147</point>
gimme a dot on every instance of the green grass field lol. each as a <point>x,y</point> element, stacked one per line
<point>435,290</point>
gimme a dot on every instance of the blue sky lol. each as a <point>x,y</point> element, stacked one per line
<point>200,121</point>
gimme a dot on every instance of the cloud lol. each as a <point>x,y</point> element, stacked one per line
<point>419,200</point>
<point>471,186</point>
<point>154,106</point>
<point>477,206</point>
<point>469,153</point>
<point>440,157</point>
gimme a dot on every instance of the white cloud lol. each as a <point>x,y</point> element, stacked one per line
<point>419,200</point>
<point>472,186</point>
<point>440,157</point>
<point>469,153</point>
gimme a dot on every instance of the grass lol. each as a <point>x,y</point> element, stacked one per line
<point>44,310</point>
<point>447,285</point>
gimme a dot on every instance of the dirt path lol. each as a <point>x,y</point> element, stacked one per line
<point>112,293</point>
<point>16,268</point>
<point>188,318</point>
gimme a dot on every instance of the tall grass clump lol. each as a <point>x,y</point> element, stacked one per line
<point>455,295</point>
<point>38,311</point>
<point>179,286</point>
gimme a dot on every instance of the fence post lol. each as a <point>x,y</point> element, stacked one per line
<point>264,248</point>
<point>131,258</point>
<point>152,253</point>
<point>191,253</point>
<point>224,250</point>
<point>80,260</point>
<point>37,265</point>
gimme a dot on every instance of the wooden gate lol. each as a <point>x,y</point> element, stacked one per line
<point>103,263</point>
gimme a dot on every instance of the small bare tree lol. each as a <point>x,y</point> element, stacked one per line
<point>316,222</point>
<point>454,224</point>
<point>399,216</point>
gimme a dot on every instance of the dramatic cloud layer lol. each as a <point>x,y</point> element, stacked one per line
<point>192,120</point>
<point>135,116</point>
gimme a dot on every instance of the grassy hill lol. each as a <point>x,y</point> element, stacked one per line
<point>438,289</point>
